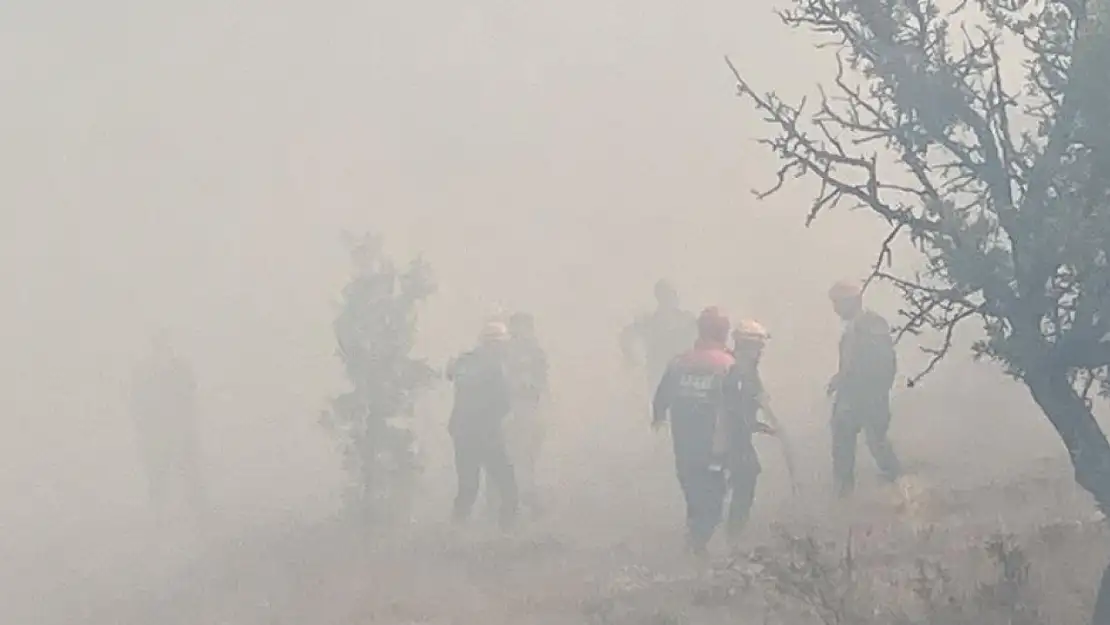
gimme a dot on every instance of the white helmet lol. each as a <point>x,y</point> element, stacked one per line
<point>751,330</point>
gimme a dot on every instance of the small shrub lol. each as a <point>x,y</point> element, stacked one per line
<point>375,331</point>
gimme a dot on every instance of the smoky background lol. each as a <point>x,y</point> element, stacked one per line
<point>191,167</point>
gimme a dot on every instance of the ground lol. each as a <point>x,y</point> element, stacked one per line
<point>609,550</point>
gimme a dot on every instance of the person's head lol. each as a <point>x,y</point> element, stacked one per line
<point>666,296</point>
<point>749,338</point>
<point>522,325</point>
<point>847,299</point>
<point>493,333</point>
<point>497,314</point>
<point>713,326</point>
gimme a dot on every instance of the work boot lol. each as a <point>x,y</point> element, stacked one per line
<point>532,502</point>
<point>507,521</point>
<point>697,547</point>
<point>733,531</point>
<point>844,489</point>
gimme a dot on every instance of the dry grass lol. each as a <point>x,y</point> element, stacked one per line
<point>950,547</point>
<point>957,569</point>
<point>858,567</point>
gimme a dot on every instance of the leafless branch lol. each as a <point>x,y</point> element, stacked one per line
<point>886,255</point>
<point>802,154</point>
<point>938,354</point>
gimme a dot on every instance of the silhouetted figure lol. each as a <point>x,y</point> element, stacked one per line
<point>742,422</point>
<point>482,402</point>
<point>527,369</point>
<point>697,396</point>
<point>662,334</point>
<point>861,386</point>
<point>163,406</point>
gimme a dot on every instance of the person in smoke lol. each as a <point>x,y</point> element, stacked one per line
<point>163,407</point>
<point>528,370</point>
<point>663,333</point>
<point>694,392</point>
<point>742,462</point>
<point>861,387</point>
<point>482,402</point>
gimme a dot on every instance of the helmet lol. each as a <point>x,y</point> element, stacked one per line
<point>752,331</point>
<point>845,289</point>
<point>496,314</point>
<point>494,331</point>
<point>713,324</point>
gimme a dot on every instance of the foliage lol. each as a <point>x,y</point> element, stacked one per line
<point>376,330</point>
<point>1004,189</point>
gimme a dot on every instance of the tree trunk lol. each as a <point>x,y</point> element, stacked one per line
<point>1101,615</point>
<point>1087,446</point>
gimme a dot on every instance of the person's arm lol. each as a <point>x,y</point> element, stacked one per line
<point>664,396</point>
<point>542,371</point>
<point>743,391</point>
<point>629,337</point>
<point>762,401</point>
<point>691,328</point>
<point>733,392</point>
<point>771,425</point>
<point>503,390</point>
<point>887,355</point>
<point>451,368</point>
<point>842,362</point>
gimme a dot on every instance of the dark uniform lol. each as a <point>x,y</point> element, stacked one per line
<point>163,399</point>
<point>527,371</point>
<point>481,404</point>
<point>703,392</point>
<point>743,461</point>
<point>868,365</point>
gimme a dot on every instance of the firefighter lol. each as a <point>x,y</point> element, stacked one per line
<point>695,395</point>
<point>163,406</point>
<point>861,388</point>
<point>663,334</point>
<point>743,467</point>
<point>528,372</point>
<point>482,401</point>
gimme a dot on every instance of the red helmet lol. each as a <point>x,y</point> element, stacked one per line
<point>713,325</point>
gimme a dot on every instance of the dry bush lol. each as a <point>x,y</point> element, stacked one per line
<point>893,575</point>
<point>834,584</point>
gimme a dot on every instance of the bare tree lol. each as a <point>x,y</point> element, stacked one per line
<point>1003,188</point>
<point>376,330</point>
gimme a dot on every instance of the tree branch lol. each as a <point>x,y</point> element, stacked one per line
<point>938,354</point>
